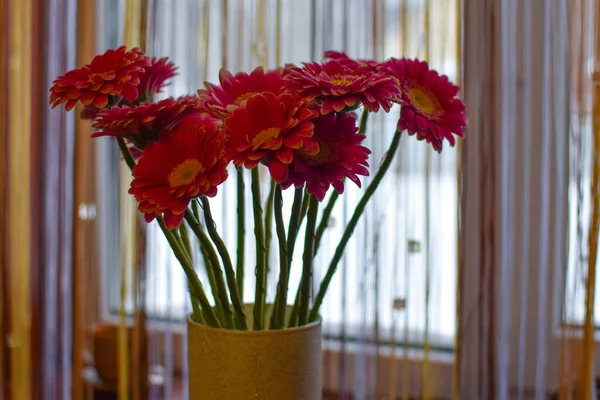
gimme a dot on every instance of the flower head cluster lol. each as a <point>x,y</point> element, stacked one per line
<point>297,121</point>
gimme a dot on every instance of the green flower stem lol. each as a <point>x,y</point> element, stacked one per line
<point>294,224</point>
<point>291,240</point>
<point>325,219</point>
<point>227,264</point>
<point>196,289</point>
<point>214,265</point>
<point>278,315</point>
<point>307,259</point>
<point>259,234</point>
<point>213,283</point>
<point>363,122</point>
<point>126,153</point>
<point>304,208</point>
<point>268,235</point>
<point>241,232</point>
<point>360,208</point>
<point>185,240</point>
<point>293,318</point>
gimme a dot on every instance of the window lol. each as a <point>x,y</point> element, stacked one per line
<point>407,241</point>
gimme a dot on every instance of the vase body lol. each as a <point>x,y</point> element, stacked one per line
<point>254,365</point>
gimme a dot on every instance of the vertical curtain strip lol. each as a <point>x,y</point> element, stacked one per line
<point>19,201</point>
<point>585,381</point>
<point>459,145</point>
<point>83,198</point>
<point>128,220</point>
<point>426,340</point>
<point>4,181</point>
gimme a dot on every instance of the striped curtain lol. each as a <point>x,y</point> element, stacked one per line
<point>471,275</point>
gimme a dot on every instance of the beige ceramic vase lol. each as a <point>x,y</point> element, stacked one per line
<point>254,365</point>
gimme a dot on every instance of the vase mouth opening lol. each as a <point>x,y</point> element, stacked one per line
<point>251,332</point>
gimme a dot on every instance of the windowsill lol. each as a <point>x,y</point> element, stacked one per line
<point>347,364</point>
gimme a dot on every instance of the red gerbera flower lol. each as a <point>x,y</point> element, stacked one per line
<point>430,108</point>
<point>221,101</point>
<point>154,78</point>
<point>146,122</point>
<point>270,127</point>
<point>342,58</point>
<point>114,73</point>
<point>186,162</point>
<point>338,87</point>
<point>340,155</point>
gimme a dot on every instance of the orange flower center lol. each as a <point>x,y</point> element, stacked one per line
<point>343,80</point>
<point>185,173</point>
<point>244,97</point>
<point>264,136</point>
<point>424,101</point>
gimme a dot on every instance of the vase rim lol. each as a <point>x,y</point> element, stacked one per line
<point>265,332</point>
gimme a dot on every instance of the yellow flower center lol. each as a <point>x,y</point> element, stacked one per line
<point>342,80</point>
<point>424,101</point>
<point>244,97</point>
<point>265,136</point>
<point>185,173</point>
<point>324,155</point>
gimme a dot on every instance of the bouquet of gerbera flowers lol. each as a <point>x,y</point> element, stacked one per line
<point>299,123</point>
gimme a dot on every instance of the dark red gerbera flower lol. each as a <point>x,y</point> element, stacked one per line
<point>186,162</point>
<point>340,156</point>
<point>146,122</point>
<point>270,128</point>
<point>338,87</point>
<point>155,78</point>
<point>430,108</point>
<point>221,101</point>
<point>112,74</point>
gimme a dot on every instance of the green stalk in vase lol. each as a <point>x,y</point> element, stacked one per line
<point>227,264</point>
<point>241,232</point>
<point>259,234</point>
<point>214,263</point>
<point>307,259</point>
<point>210,270</point>
<point>278,315</point>
<point>268,238</point>
<point>360,208</point>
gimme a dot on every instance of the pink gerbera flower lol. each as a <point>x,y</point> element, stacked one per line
<point>235,90</point>
<point>340,156</point>
<point>338,87</point>
<point>145,123</point>
<point>430,108</point>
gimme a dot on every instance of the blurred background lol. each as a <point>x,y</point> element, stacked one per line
<point>471,276</point>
